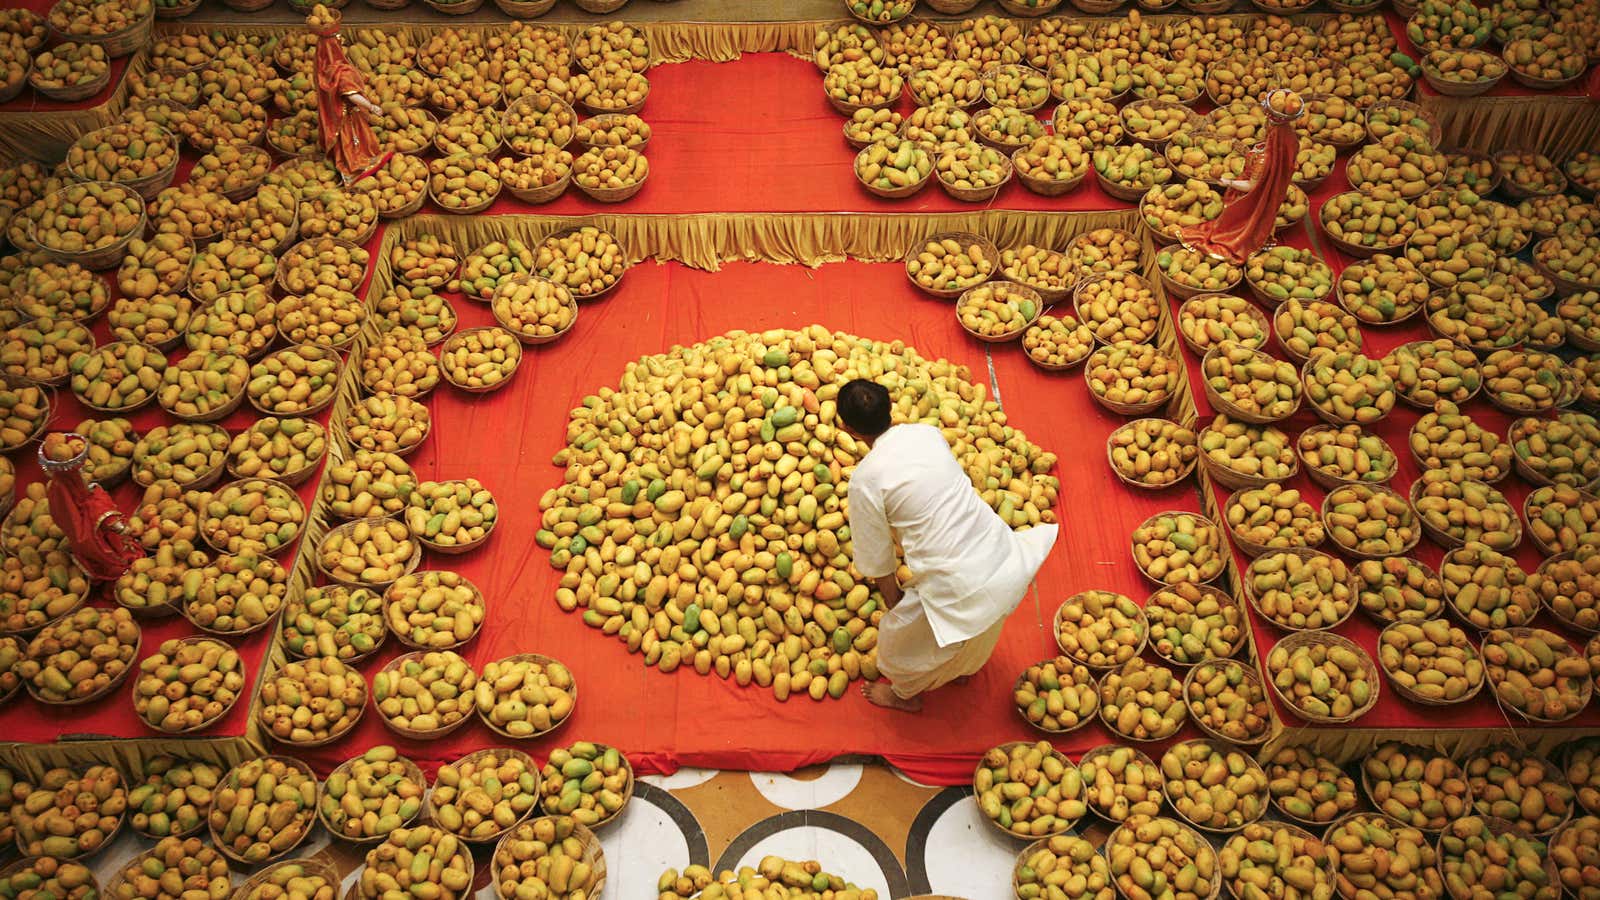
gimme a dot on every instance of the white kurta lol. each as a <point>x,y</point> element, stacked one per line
<point>969,570</point>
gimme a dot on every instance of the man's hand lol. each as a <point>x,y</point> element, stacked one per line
<point>890,589</point>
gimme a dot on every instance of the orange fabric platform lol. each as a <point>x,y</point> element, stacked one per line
<point>506,439</point>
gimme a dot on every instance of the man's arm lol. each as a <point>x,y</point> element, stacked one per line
<point>872,545</point>
<point>890,589</point>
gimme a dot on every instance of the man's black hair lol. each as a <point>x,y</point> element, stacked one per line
<point>864,406</point>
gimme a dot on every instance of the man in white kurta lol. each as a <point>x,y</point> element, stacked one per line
<point>969,570</point>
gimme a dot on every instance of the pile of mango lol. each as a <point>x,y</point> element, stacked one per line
<point>722,543</point>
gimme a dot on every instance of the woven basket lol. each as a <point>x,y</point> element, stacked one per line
<point>590,853</point>
<point>16,866</point>
<point>600,7</point>
<point>1553,773</point>
<point>388,5</point>
<point>100,259</point>
<point>627,791</point>
<point>226,850</point>
<point>306,351</point>
<point>293,479</point>
<point>1516,191</point>
<point>525,9</point>
<point>1450,542</point>
<point>133,663</point>
<point>1207,7</point>
<point>967,239</point>
<point>413,772</point>
<point>1543,566</point>
<point>313,866</point>
<point>342,579</point>
<point>634,108</point>
<point>951,7</point>
<point>247,6</point>
<point>1007,747</point>
<point>1223,599</point>
<point>1306,368</point>
<point>503,753</point>
<point>1564,285</point>
<point>1254,313</point>
<point>13,90</point>
<point>546,662</point>
<point>117,43</point>
<point>1497,827</point>
<point>1140,758</point>
<point>1304,553</point>
<point>1184,292</point>
<point>1412,751</point>
<point>1216,875</point>
<point>1413,109</point>
<point>72,93</point>
<point>1039,727</point>
<point>458,549</point>
<point>1417,698</point>
<point>150,185</point>
<point>1098,7</point>
<point>1540,84</point>
<point>1330,640</point>
<point>1450,88</point>
<point>606,120</point>
<point>1121,192</point>
<point>1357,250</point>
<point>451,343</point>
<point>1585,686</point>
<point>389,597</point>
<point>524,337</point>
<point>1248,547</point>
<point>1158,145</point>
<point>1006,287</point>
<point>1046,187</point>
<point>49,402</point>
<point>1182,477</point>
<point>1355,554</point>
<point>394,665</point>
<point>1223,405</point>
<point>1144,639</point>
<point>1250,676</point>
<point>611,194</point>
<point>470,210</point>
<point>461,8</point>
<point>1161,238</point>
<point>1194,515</point>
<point>221,547</point>
<point>978,195</point>
<point>1221,746</point>
<point>177,10</point>
<point>1121,409</point>
<point>332,736</point>
<point>1014,8</point>
<point>1327,480</point>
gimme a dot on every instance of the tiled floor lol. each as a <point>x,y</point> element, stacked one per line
<point>867,823</point>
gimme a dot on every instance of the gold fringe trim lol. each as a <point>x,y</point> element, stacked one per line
<point>1555,126</point>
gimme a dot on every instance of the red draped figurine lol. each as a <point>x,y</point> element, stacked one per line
<point>95,529</point>
<point>1251,203</point>
<point>347,138</point>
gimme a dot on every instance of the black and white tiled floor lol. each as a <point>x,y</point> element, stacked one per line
<point>870,824</point>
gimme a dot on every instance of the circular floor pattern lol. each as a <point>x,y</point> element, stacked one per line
<point>844,847</point>
<point>952,850</point>
<point>655,832</point>
<point>786,792</point>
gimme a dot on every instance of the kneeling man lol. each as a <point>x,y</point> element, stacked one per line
<point>969,570</point>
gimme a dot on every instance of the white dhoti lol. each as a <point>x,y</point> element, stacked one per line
<point>969,569</point>
<point>909,652</point>
<point>911,658</point>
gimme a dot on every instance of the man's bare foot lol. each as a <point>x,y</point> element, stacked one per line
<point>880,694</point>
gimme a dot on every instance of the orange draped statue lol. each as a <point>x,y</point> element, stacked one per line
<point>95,529</point>
<point>1251,203</point>
<point>347,138</point>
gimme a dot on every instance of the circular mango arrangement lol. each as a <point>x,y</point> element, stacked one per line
<point>795,412</point>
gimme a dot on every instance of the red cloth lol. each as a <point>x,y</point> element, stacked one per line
<point>92,524</point>
<point>1247,219</point>
<point>1592,86</point>
<point>346,136</point>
